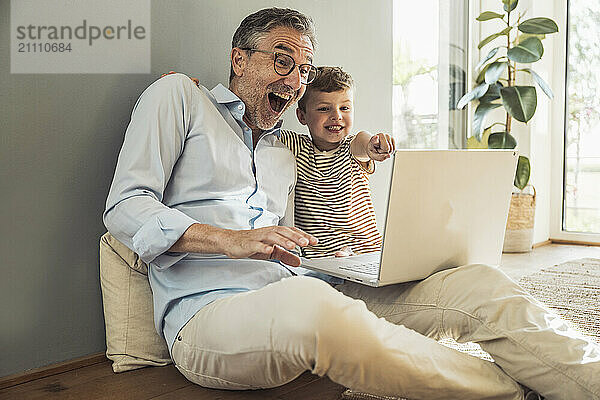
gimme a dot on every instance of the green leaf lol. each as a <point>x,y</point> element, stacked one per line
<point>524,36</point>
<point>488,39</point>
<point>530,50</point>
<point>523,172</point>
<point>540,82</point>
<point>492,94</point>
<point>481,77</point>
<point>538,26</point>
<point>478,119</point>
<point>502,140</point>
<point>487,15</point>
<point>489,56</point>
<point>510,5</point>
<point>519,101</point>
<point>473,143</point>
<point>472,95</point>
<point>494,71</point>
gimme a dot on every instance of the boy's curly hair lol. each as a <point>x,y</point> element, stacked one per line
<point>329,79</point>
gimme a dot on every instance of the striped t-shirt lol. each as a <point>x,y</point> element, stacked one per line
<point>333,199</point>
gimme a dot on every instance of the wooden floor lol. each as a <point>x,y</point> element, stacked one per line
<point>97,381</point>
<point>159,383</point>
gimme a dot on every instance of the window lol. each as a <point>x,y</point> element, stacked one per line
<point>430,73</point>
<point>581,190</point>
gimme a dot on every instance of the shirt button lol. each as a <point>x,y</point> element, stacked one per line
<point>240,107</point>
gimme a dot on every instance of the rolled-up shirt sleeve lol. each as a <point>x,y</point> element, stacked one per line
<point>154,140</point>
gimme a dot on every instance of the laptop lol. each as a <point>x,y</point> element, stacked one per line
<point>445,208</point>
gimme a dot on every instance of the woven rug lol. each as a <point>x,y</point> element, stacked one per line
<point>571,289</point>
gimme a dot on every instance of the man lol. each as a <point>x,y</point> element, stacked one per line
<point>200,186</point>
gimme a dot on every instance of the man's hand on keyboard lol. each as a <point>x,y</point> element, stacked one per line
<point>345,251</point>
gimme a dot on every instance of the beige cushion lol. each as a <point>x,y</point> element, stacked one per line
<point>131,340</point>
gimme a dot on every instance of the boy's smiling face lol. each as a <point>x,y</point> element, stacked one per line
<point>329,117</point>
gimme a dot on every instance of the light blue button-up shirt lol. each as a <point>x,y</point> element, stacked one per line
<point>187,157</point>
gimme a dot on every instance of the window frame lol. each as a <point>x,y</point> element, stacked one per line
<point>558,139</point>
<point>447,118</point>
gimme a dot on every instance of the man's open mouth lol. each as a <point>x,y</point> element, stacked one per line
<point>278,101</point>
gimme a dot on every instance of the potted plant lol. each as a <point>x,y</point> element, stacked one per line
<point>498,84</point>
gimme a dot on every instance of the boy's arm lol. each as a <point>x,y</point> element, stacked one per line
<point>365,147</point>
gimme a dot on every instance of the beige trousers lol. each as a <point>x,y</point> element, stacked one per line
<point>266,338</point>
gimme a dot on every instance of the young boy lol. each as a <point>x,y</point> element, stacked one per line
<point>333,200</point>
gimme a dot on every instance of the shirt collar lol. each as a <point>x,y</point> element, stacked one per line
<point>277,128</point>
<point>225,96</point>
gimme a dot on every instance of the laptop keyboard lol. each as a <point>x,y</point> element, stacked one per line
<point>370,268</point>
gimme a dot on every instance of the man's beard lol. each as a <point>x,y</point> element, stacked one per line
<point>258,111</point>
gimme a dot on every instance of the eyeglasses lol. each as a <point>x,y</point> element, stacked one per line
<point>284,65</point>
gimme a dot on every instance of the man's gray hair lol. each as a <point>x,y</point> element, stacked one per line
<point>255,26</point>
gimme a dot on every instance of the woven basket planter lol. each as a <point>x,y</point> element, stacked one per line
<point>518,237</point>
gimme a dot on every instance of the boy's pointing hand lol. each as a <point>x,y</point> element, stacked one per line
<point>381,147</point>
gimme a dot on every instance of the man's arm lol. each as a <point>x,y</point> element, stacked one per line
<point>153,142</point>
<point>288,217</point>
<point>135,214</point>
<point>262,244</point>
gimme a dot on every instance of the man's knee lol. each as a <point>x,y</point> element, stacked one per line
<point>480,278</point>
<point>477,285</point>
<point>484,292</point>
<point>482,270</point>
<point>312,306</point>
<point>304,286</point>
<point>309,296</point>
